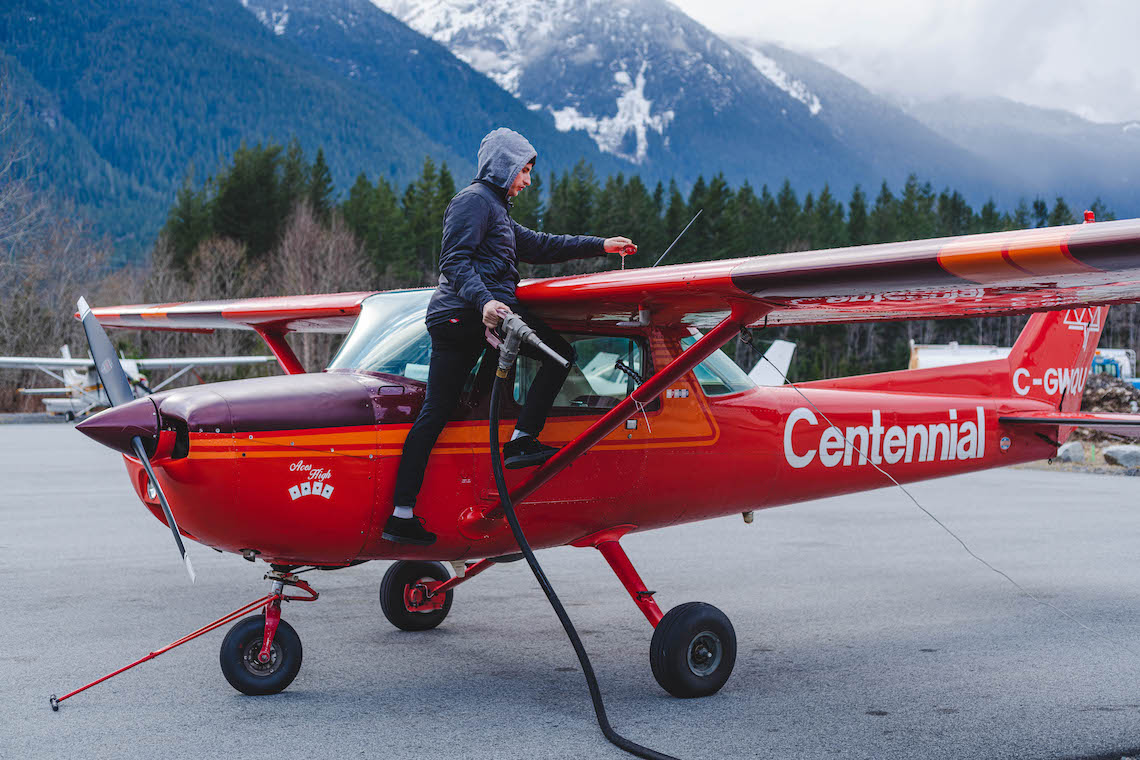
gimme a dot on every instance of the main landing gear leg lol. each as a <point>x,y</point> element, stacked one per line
<point>693,649</point>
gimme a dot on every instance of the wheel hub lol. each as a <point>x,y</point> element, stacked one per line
<point>705,651</point>
<point>251,659</point>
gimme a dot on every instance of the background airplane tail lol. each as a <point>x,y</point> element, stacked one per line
<point>1052,357</point>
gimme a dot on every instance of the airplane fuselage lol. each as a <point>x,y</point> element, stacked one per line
<point>300,469</point>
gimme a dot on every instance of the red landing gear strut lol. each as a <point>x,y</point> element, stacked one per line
<point>693,649</point>
<point>267,660</point>
<point>606,542</point>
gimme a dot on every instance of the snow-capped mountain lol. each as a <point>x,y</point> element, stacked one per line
<point>446,99</point>
<point>1051,151</point>
<point>646,82</point>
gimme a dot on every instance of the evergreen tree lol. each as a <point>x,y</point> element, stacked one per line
<point>916,217</point>
<point>884,217</point>
<point>1040,213</point>
<point>248,206</point>
<point>1100,211</point>
<point>295,173</point>
<point>320,189</point>
<point>610,210</point>
<point>990,220</point>
<point>955,217</point>
<point>676,217</point>
<point>423,222</point>
<point>188,222</point>
<point>768,234</point>
<point>528,206</point>
<point>1021,216</point>
<point>828,221</point>
<point>1061,214</point>
<point>715,242</point>
<point>359,216</point>
<point>857,232</point>
<point>640,221</point>
<point>394,253</point>
<point>788,235</point>
<point>746,222</point>
<point>581,193</point>
<point>659,199</point>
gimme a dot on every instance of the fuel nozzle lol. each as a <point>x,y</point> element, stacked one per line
<point>515,332</point>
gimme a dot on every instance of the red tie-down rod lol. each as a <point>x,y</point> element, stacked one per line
<point>267,601</point>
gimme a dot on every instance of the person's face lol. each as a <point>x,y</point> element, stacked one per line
<point>522,181</point>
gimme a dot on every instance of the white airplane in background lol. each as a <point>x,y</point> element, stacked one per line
<point>772,368</point>
<point>82,393</point>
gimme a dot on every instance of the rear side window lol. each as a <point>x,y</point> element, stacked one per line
<point>718,375</point>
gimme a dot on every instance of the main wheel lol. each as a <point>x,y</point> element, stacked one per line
<point>693,650</point>
<point>240,663</point>
<point>398,597</point>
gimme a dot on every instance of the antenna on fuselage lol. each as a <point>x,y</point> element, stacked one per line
<point>687,226</point>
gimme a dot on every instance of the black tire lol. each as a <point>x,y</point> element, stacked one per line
<point>238,657</point>
<point>693,650</point>
<point>399,576</point>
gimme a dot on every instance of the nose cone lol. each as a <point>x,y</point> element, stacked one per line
<point>115,427</point>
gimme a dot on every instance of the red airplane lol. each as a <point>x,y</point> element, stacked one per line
<point>660,426</point>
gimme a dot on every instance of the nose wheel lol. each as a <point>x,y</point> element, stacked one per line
<point>245,668</point>
<point>693,650</point>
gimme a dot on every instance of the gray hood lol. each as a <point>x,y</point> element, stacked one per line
<point>502,155</point>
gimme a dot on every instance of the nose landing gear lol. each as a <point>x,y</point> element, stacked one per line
<point>262,654</point>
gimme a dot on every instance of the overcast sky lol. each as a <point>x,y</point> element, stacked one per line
<point>1080,55</point>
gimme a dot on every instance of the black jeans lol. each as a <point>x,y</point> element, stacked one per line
<point>455,347</point>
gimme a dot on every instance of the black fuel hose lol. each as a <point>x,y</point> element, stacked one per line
<point>587,669</point>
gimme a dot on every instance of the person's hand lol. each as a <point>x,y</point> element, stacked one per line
<point>622,245</point>
<point>491,311</point>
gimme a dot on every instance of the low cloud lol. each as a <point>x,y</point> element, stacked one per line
<point>1052,53</point>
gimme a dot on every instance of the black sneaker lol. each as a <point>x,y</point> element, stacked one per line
<point>407,530</point>
<point>526,451</point>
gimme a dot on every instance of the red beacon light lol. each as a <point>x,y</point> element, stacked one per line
<point>1089,216</point>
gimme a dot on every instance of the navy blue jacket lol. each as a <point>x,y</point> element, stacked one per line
<point>482,245</point>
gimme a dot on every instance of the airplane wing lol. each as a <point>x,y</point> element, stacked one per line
<point>975,275</point>
<point>48,362</point>
<point>201,361</point>
<point>60,391</point>
<point>335,313</point>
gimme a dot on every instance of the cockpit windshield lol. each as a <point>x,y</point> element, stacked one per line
<point>389,336</point>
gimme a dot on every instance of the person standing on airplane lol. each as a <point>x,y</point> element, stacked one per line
<point>478,265</point>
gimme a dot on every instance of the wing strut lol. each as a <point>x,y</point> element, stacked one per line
<point>275,339</point>
<point>484,520</point>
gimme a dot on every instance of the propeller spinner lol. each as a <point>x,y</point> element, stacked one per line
<point>118,388</point>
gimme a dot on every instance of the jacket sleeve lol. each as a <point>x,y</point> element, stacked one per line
<point>464,227</point>
<point>541,248</point>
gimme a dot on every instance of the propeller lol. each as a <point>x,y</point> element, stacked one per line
<point>118,388</point>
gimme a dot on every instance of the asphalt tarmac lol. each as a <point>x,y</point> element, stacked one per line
<point>865,631</point>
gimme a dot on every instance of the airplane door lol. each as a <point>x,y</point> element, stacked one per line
<point>607,370</point>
